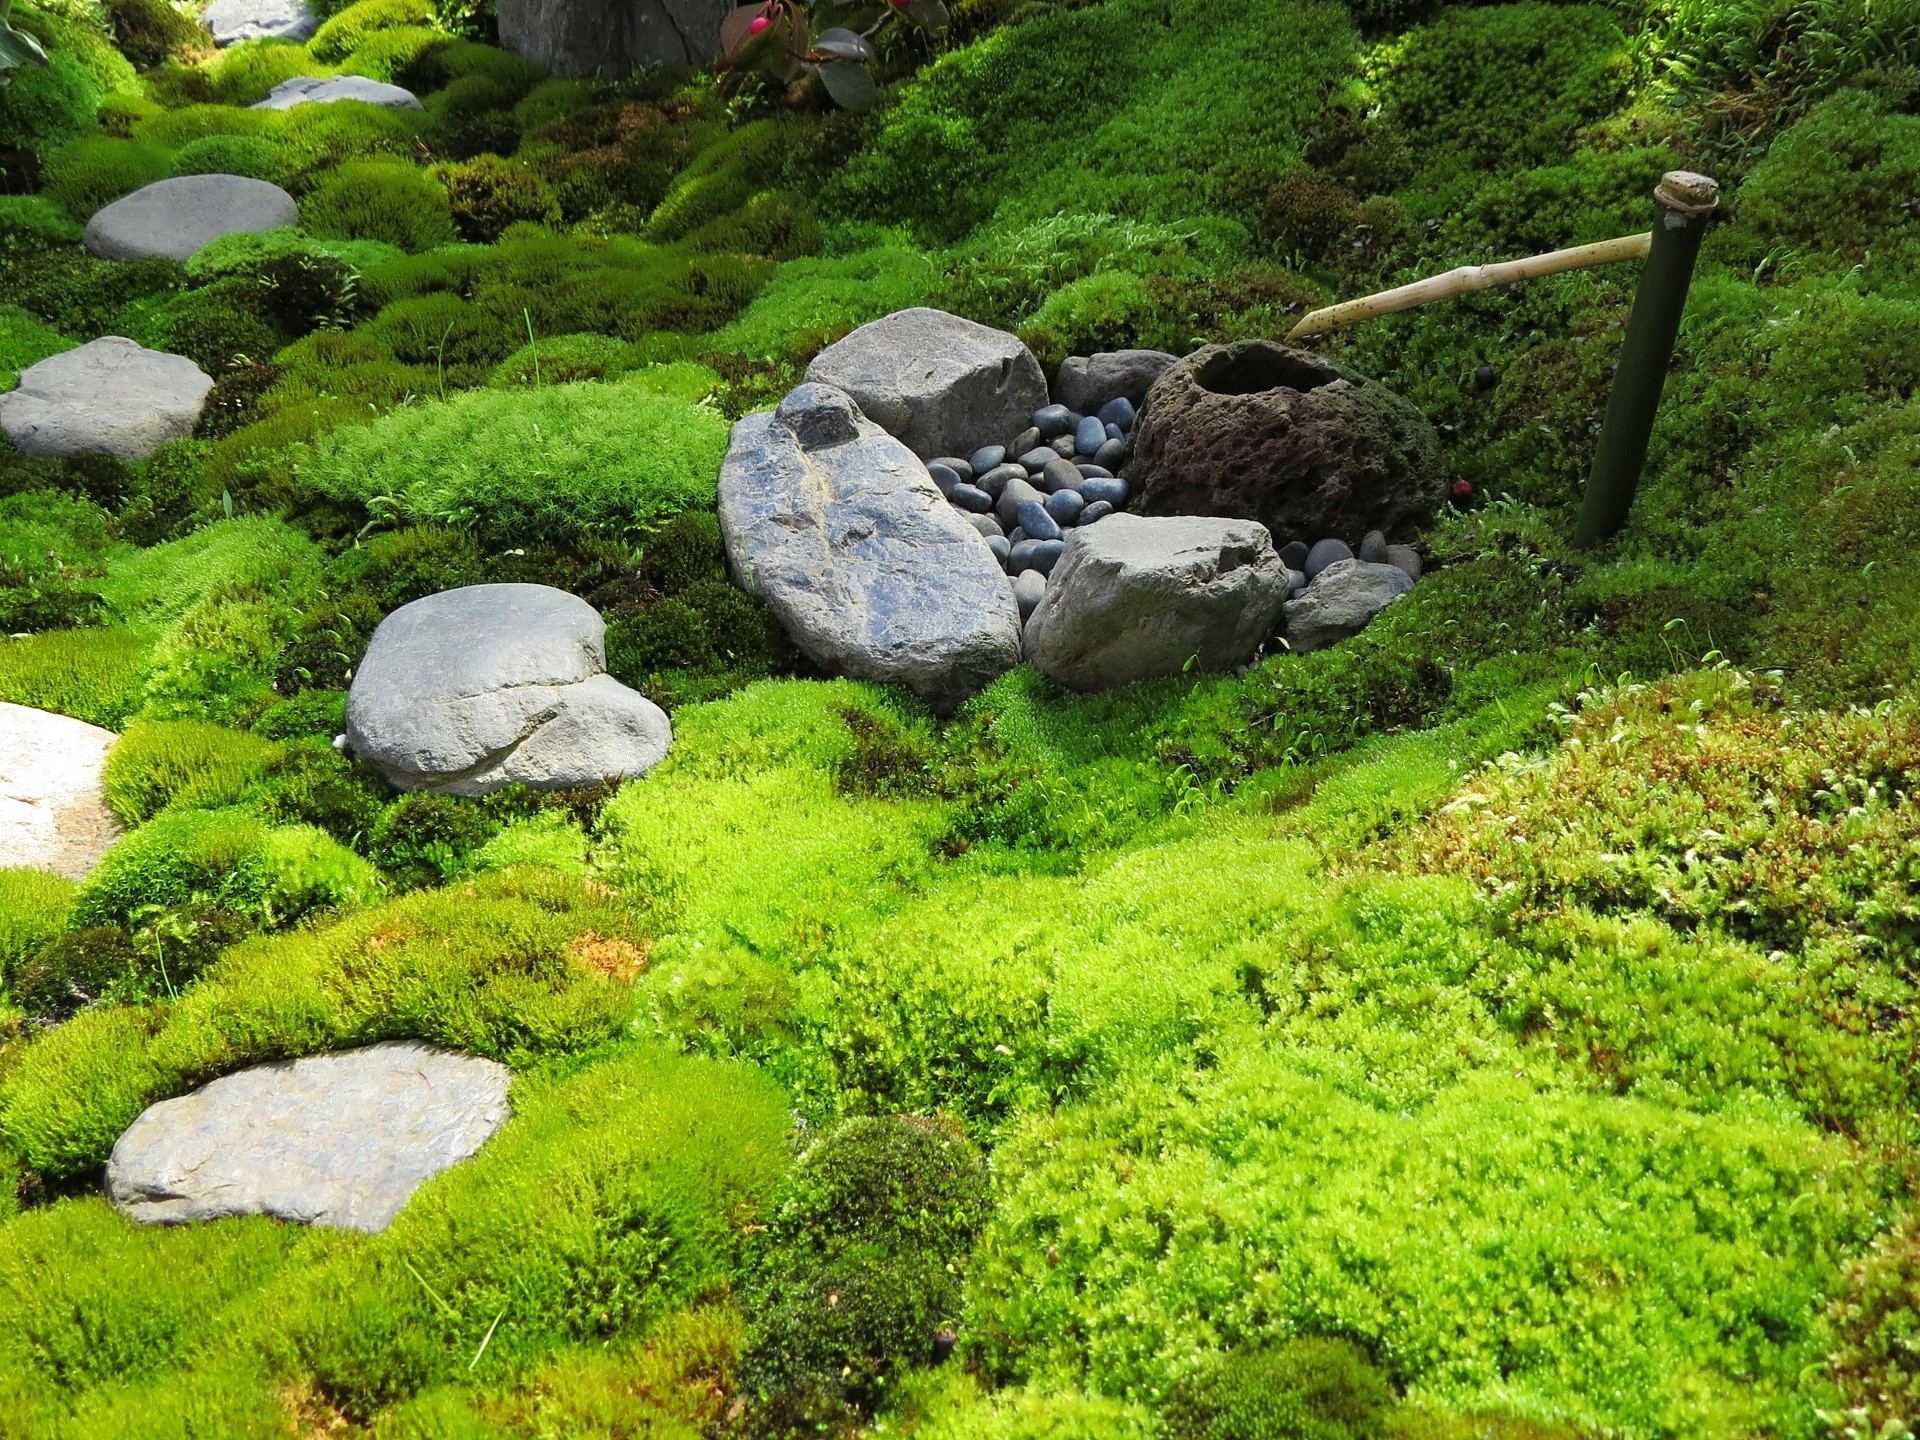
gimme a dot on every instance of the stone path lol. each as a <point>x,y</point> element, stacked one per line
<point>51,813</point>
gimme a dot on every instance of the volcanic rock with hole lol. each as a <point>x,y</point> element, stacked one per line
<point>231,21</point>
<point>325,89</point>
<point>1135,596</point>
<point>941,384</point>
<point>1087,382</point>
<point>107,397</point>
<point>874,575</point>
<point>338,1140</point>
<point>52,815</point>
<point>1341,602</point>
<point>1306,447</point>
<point>470,690</point>
<point>171,219</point>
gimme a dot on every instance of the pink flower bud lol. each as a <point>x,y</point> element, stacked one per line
<point>757,24</point>
<point>1462,489</point>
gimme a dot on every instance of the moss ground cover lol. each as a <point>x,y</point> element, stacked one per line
<point>1500,1024</point>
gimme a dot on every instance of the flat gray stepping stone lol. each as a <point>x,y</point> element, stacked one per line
<point>171,219</point>
<point>338,1140</point>
<point>107,397</point>
<point>325,89</point>
<point>52,816</point>
<point>231,21</point>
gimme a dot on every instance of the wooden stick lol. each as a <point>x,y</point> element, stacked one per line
<point>1467,279</point>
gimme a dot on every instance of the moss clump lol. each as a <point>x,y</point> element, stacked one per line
<point>1303,1390</point>
<point>343,32</point>
<point>92,675</point>
<point>33,909</point>
<point>488,194</point>
<point>380,200</point>
<point>249,155</point>
<point>85,174</point>
<point>186,762</point>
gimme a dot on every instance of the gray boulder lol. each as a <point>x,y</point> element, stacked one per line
<point>941,384</point>
<point>471,690</point>
<point>1341,602</point>
<point>840,528</point>
<point>338,1140</point>
<point>1086,382</point>
<point>170,219</point>
<point>108,397</point>
<point>592,38</point>
<point>1134,597</point>
<point>231,21</point>
<point>325,89</point>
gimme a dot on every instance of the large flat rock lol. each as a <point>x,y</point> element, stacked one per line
<point>841,529</point>
<point>338,1140</point>
<point>52,816</point>
<point>231,21</point>
<point>107,397</point>
<point>171,219</point>
<point>325,89</point>
<point>474,689</point>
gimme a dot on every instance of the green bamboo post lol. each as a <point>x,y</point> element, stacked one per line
<point>1686,202</point>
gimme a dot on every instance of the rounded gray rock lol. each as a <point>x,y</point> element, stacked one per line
<point>1028,588</point>
<point>171,219</point>
<point>231,21</point>
<point>1324,553</point>
<point>1406,558</point>
<point>325,89</point>
<point>1012,496</point>
<point>1341,602</point>
<point>1088,382</point>
<point>107,397</point>
<point>1373,548</point>
<point>1060,475</point>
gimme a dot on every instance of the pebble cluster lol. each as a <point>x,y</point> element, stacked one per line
<point>1304,562</point>
<point>1053,476</point>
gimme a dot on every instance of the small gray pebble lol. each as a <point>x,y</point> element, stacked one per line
<point>1021,557</point>
<point>1406,557</point>
<point>1029,588</point>
<point>963,468</point>
<point>1113,491</point>
<point>1323,554</point>
<point>1039,458</point>
<point>987,526</point>
<point>1046,554</point>
<point>1092,471</point>
<point>1018,537</point>
<point>1118,412</point>
<point>944,477</point>
<point>1099,510</point>
<point>1035,520</point>
<point>1001,548</point>
<point>1060,475</point>
<point>1062,446</point>
<point>1113,454</point>
<point>1114,432</point>
<point>1293,554</point>
<point>1373,548</point>
<point>1065,506</point>
<point>972,497</point>
<point>1052,420</point>
<point>1089,436</point>
<point>988,457</point>
<point>1296,581</point>
<point>1026,440</point>
<point>1012,495</point>
<point>995,480</point>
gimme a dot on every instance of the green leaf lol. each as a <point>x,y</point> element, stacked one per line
<point>851,87</point>
<point>843,44</point>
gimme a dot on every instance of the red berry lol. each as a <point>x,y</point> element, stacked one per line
<point>900,4</point>
<point>1462,489</point>
<point>757,24</point>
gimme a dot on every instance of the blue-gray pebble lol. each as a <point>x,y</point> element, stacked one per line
<point>1065,506</point>
<point>971,497</point>
<point>1021,557</point>
<point>1099,510</point>
<point>1052,420</point>
<point>1001,547</point>
<point>1118,411</point>
<point>1090,436</point>
<point>1112,490</point>
<point>963,468</point>
<point>1112,455</point>
<point>1323,554</point>
<point>1058,474</point>
<point>944,477</point>
<point>1293,554</point>
<point>995,480</point>
<point>1038,459</point>
<point>1114,432</point>
<point>1046,554</point>
<point>1035,520</point>
<point>1092,471</point>
<point>987,457</point>
<point>1025,440</point>
<point>1062,445</point>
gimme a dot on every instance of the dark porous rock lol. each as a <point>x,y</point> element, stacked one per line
<point>1373,548</point>
<point>1325,553</point>
<point>1118,412</point>
<point>577,38</point>
<point>971,497</point>
<point>1046,555</point>
<point>1294,554</point>
<point>963,468</point>
<point>1052,420</point>
<point>945,478</point>
<point>1088,382</point>
<point>1099,510</point>
<point>1113,490</point>
<point>995,480</point>
<point>1035,520</point>
<point>1341,602</point>
<point>988,457</point>
<point>1135,597</point>
<point>1063,446</point>
<point>1058,474</point>
<point>1028,587</point>
<point>1407,558</point>
<point>1263,432</point>
<point>1065,506</point>
<point>1089,436</point>
<point>932,380</point>
<point>469,691</point>
<point>836,525</point>
<point>1027,439</point>
<point>1038,458</point>
<point>1113,454</point>
<point>1012,496</point>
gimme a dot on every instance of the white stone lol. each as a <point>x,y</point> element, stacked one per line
<point>107,397</point>
<point>171,219</point>
<point>51,814</point>
<point>325,89</point>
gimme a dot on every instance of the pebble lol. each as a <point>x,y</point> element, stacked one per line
<point>944,477</point>
<point>1001,548</point>
<point>1022,556</point>
<point>1038,459</point>
<point>1062,446</point>
<point>1089,436</point>
<point>963,468</point>
<point>1113,454</point>
<point>1323,554</point>
<point>1373,548</point>
<point>1092,471</point>
<point>1112,490</point>
<point>1114,432</point>
<point>1015,494</point>
<point>1099,510</point>
<point>1407,558</point>
<point>1035,520</point>
<point>995,480</point>
<point>1293,554</point>
<point>972,497</point>
<point>1052,420</point>
<point>1065,506</point>
<point>1029,586</point>
<point>1046,554</point>
<point>987,526</point>
<point>1018,537</point>
<point>1485,377</point>
<point>1118,412</point>
<point>1296,581</point>
<point>1025,441</point>
<point>1060,475</point>
<point>988,457</point>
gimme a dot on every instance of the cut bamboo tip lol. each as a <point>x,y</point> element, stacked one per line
<point>1466,280</point>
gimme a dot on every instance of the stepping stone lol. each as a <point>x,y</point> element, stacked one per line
<point>170,219</point>
<point>338,1140</point>
<point>52,816</point>
<point>231,21</point>
<point>325,89</point>
<point>107,397</point>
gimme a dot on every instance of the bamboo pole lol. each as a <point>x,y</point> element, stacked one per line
<point>1466,280</point>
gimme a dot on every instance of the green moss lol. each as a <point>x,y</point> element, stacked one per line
<point>44,106</point>
<point>315,138</point>
<point>92,675</point>
<point>196,765</point>
<point>245,72</point>
<point>1310,1389</point>
<point>379,200</point>
<point>149,31</point>
<point>488,194</point>
<point>25,341</point>
<point>388,54</point>
<point>343,31</point>
<point>250,155</point>
<point>33,220</point>
<point>34,907</point>
<point>214,326</point>
<point>564,360</point>
<point>85,174</point>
